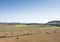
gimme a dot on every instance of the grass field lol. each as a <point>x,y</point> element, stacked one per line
<point>29,33</point>
<point>26,27</point>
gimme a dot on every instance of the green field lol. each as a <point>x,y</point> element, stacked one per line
<point>29,28</point>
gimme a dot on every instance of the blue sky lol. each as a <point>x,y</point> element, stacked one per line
<point>29,11</point>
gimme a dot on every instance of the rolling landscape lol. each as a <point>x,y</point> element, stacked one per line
<point>29,20</point>
<point>30,32</point>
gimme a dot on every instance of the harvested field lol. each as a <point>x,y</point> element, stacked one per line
<point>30,33</point>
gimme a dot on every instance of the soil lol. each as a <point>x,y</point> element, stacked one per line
<point>31,36</point>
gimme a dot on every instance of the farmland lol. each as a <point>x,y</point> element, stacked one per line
<point>29,33</point>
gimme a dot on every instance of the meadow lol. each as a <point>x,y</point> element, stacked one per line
<point>27,27</point>
<point>29,33</point>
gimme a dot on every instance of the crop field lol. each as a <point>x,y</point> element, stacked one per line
<point>29,33</point>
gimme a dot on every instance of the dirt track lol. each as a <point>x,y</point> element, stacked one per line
<point>33,36</point>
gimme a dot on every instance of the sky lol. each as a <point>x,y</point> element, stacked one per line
<point>29,11</point>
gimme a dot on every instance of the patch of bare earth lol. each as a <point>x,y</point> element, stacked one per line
<point>31,36</point>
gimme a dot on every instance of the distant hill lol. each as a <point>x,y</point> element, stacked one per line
<point>55,23</point>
